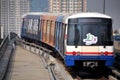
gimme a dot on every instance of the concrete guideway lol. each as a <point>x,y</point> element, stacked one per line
<point>55,70</point>
<point>27,66</point>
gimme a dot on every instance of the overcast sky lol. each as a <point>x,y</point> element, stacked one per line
<point>112,8</point>
<point>39,6</point>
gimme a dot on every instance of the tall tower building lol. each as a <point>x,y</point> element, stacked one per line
<point>22,7</point>
<point>69,6</point>
<point>10,13</point>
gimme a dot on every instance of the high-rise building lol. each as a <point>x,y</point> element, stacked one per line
<point>11,12</point>
<point>22,7</point>
<point>69,6</point>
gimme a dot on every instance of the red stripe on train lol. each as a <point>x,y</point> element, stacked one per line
<point>93,53</point>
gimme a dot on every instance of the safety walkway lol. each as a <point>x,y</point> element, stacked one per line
<point>27,66</point>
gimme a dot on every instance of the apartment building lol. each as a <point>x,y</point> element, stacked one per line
<point>10,15</point>
<point>67,6</point>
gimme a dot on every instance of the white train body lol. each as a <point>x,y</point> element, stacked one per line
<point>93,44</point>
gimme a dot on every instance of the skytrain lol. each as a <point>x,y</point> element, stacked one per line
<point>79,38</point>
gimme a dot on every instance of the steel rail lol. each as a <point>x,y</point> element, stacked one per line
<point>5,56</point>
<point>43,58</point>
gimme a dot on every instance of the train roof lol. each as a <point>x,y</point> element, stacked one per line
<point>43,13</point>
<point>73,15</point>
<point>89,14</point>
<point>65,16</point>
<point>33,14</point>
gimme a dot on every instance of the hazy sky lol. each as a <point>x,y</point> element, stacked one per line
<point>112,8</point>
<point>39,6</point>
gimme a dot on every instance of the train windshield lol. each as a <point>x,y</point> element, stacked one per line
<point>89,32</point>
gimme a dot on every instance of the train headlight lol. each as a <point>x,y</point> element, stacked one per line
<point>74,53</point>
<point>78,53</point>
<point>106,53</point>
<point>102,53</point>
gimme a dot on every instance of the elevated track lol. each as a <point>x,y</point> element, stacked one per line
<point>56,69</point>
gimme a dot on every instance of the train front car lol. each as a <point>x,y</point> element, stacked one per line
<point>89,40</point>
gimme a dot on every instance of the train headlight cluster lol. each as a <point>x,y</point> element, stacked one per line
<point>104,53</point>
<point>75,53</point>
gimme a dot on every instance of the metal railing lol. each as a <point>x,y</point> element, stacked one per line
<point>3,45</point>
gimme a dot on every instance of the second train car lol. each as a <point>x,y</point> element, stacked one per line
<point>79,37</point>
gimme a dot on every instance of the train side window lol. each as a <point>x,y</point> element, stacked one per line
<point>24,27</point>
<point>63,37</point>
<point>39,28</point>
<point>39,24</point>
<point>44,30</point>
<point>52,31</point>
<point>24,24</point>
<point>30,25</point>
<point>42,25</point>
<point>48,29</point>
<point>55,39</point>
<point>45,26</point>
<point>35,26</point>
<point>60,34</point>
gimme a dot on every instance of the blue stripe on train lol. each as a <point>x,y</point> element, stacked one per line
<point>70,60</point>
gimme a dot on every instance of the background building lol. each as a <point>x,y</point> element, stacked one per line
<point>22,7</point>
<point>10,13</point>
<point>69,6</point>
